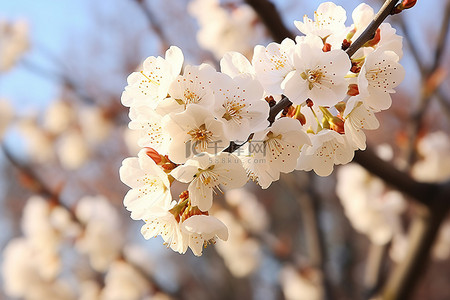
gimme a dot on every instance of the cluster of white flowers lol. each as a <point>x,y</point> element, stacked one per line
<point>223,29</point>
<point>40,263</point>
<point>32,263</point>
<point>14,42</point>
<point>190,123</point>
<point>73,131</point>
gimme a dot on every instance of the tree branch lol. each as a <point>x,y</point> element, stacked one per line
<point>402,181</point>
<point>269,15</point>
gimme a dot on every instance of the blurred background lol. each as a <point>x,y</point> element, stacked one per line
<point>64,231</point>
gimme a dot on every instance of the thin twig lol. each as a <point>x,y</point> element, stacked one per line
<point>34,182</point>
<point>277,108</point>
<point>369,32</point>
<point>154,25</point>
<point>442,38</point>
<point>439,93</point>
<point>70,83</point>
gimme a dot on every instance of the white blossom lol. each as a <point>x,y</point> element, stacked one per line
<point>435,163</point>
<point>239,105</point>
<point>362,15</point>
<point>241,253</point>
<point>203,230</point>
<point>328,148</point>
<point>42,236</point>
<point>22,274</point>
<point>159,221</point>
<point>72,150</point>
<point>195,86</point>
<point>206,172</point>
<point>318,75</point>
<point>380,73</point>
<point>299,287</point>
<point>58,117</point>
<point>273,63</point>
<point>149,184</point>
<point>14,41</point>
<point>194,131</point>
<point>328,24</point>
<point>149,125</point>
<point>250,210</point>
<point>95,124</point>
<point>358,117</point>
<point>38,140</point>
<point>150,86</point>
<point>234,64</point>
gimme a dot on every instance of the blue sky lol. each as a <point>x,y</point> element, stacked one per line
<point>49,22</point>
<point>55,25</point>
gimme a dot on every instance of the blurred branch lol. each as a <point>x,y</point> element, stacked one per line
<point>269,15</point>
<point>375,262</point>
<point>310,209</point>
<point>442,38</point>
<point>439,93</point>
<point>67,81</point>
<point>165,43</point>
<point>30,179</point>
<point>431,79</point>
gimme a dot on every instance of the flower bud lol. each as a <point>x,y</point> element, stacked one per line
<point>374,40</point>
<point>271,101</point>
<point>345,44</point>
<point>326,47</point>
<point>352,90</point>
<point>408,3</point>
<point>153,154</point>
